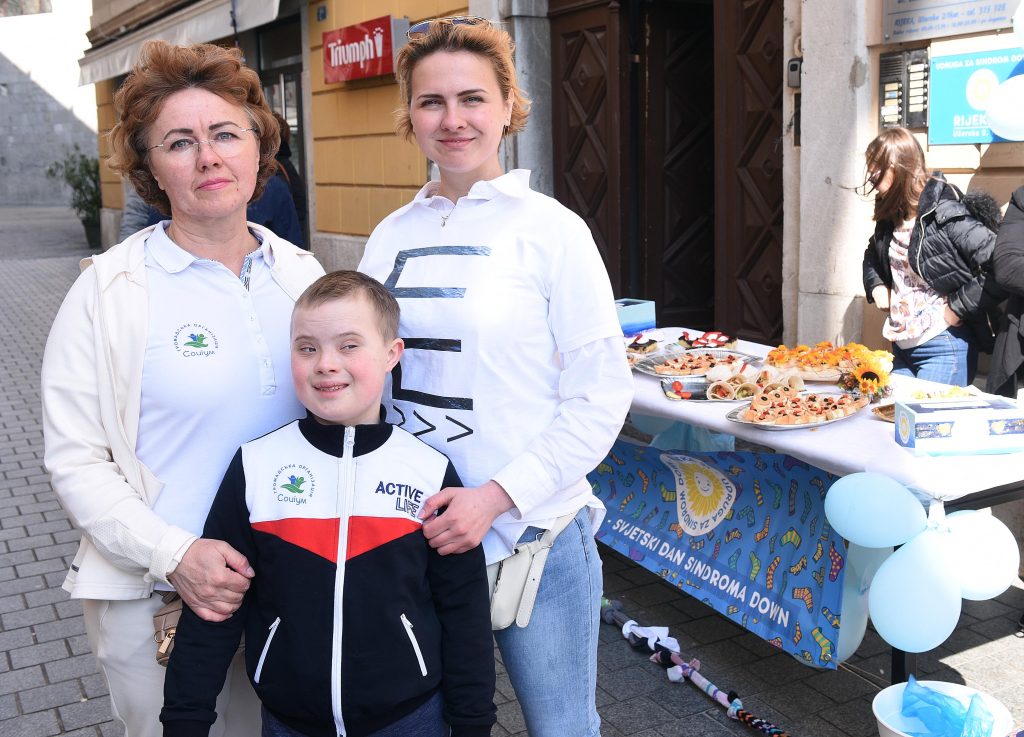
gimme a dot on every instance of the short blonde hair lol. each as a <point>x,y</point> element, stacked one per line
<point>477,36</point>
<point>164,69</point>
<point>344,284</point>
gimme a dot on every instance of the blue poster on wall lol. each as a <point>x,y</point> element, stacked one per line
<point>975,97</point>
<point>745,533</point>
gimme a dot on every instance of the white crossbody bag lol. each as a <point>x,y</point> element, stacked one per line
<point>514,581</point>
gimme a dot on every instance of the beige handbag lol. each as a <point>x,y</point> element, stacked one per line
<point>514,581</point>
<point>165,625</point>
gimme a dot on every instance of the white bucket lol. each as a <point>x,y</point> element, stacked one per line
<point>891,723</point>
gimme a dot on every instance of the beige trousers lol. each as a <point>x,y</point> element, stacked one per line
<point>120,634</point>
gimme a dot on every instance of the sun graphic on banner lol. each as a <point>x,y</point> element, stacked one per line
<point>704,495</point>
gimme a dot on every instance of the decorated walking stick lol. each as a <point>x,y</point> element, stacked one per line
<point>678,669</point>
<point>666,654</point>
<point>641,638</point>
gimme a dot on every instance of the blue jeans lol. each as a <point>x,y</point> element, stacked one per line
<point>949,358</point>
<point>427,721</point>
<point>552,662</point>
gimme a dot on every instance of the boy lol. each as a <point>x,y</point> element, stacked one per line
<point>353,624</point>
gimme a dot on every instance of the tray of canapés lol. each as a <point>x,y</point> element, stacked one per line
<point>785,410</point>
<point>735,382</point>
<point>686,356</point>
<point>887,410</point>
<point>651,343</point>
<point>824,361</point>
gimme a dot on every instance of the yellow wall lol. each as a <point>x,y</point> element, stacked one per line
<point>110,181</point>
<point>363,170</point>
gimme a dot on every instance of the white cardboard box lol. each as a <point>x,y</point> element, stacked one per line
<point>962,426</point>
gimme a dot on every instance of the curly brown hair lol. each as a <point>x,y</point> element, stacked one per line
<point>164,69</point>
<point>477,36</point>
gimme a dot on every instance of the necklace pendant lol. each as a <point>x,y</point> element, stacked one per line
<point>444,221</point>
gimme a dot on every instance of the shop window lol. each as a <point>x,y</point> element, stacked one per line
<point>903,89</point>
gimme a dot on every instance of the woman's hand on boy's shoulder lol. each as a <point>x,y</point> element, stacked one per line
<point>457,518</point>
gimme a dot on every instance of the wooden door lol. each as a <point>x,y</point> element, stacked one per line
<point>677,138</point>
<point>587,63</point>
<point>749,65</point>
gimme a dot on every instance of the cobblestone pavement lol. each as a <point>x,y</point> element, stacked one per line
<point>49,684</point>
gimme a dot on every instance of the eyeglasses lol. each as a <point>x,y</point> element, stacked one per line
<point>227,141</point>
<point>423,27</point>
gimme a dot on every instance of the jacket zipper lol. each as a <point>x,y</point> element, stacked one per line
<point>920,224</point>
<point>266,648</point>
<point>343,506</point>
<point>415,644</point>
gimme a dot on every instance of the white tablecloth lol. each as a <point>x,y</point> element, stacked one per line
<point>861,442</point>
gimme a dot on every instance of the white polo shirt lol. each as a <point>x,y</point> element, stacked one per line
<point>217,372</point>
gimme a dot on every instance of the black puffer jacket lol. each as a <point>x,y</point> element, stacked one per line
<point>951,250</point>
<point>1006,374</point>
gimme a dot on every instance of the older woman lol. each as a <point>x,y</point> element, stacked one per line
<point>169,351</point>
<point>514,363</point>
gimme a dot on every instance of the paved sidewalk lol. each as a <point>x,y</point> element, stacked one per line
<point>48,680</point>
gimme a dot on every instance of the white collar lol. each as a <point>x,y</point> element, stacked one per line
<point>172,258</point>
<point>515,183</point>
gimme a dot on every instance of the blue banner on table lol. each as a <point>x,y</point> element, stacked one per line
<point>743,532</point>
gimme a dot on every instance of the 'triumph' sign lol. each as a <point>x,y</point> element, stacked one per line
<point>363,50</point>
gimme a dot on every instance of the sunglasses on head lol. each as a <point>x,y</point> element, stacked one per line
<point>423,27</point>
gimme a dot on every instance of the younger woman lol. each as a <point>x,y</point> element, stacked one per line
<point>927,265</point>
<point>514,364</point>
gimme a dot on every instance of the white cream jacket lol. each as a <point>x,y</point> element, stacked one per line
<point>91,394</point>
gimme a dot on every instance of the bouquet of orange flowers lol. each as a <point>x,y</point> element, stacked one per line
<point>869,373</point>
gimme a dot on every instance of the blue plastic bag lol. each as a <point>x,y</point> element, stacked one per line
<point>682,436</point>
<point>945,716</point>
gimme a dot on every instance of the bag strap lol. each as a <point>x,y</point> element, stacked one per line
<point>540,549</point>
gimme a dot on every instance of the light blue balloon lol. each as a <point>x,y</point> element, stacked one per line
<point>986,554</point>
<point>861,565</point>
<point>914,602</point>
<point>873,510</point>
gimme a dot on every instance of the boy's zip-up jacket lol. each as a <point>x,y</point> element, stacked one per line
<point>352,620</point>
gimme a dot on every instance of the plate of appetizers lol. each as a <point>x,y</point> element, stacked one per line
<point>776,410</point>
<point>672,340</point>
<point>731,383</point>
<point>887,410</point>
<point>653,342</point>
<point>824,361</point>
<point>699,388</point>
<point>692,362</point>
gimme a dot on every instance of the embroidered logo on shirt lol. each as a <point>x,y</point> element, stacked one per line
<point>194,340</point>
<point>290,484</point>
